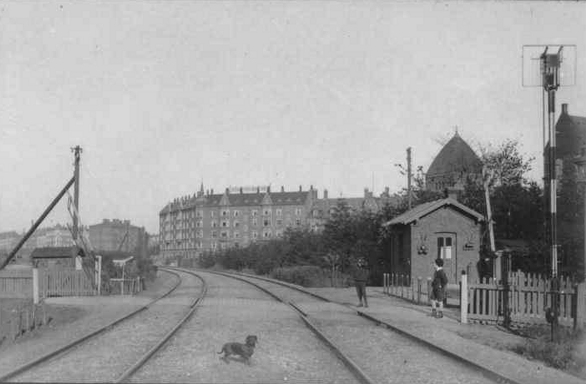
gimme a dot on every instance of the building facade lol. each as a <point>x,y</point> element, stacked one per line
<point>442,229</point>
<point>8,240</point>
<point>117,235</point>
<point>203,222</point>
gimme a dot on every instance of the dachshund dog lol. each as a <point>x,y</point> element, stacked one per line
<point>244,350</point>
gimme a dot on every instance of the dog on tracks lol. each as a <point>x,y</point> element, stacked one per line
<point>243,350</point>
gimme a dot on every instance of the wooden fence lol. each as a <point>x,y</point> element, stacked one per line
<point>21,319</point>
<point>416,290</point>
<point>126,286</point>
<point>64,282</point>
<point>525,298</point>
<point>16,284</point>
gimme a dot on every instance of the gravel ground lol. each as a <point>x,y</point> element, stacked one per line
<point>286,352</point>
<point>121,346</point>
<point>385,356</point>
<point>76,317</point>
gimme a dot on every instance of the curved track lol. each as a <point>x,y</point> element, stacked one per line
<point>114,352</point>
<point>371,352</point>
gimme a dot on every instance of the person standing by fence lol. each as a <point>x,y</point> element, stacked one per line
<point>438,289</point>
<point>360,275</point>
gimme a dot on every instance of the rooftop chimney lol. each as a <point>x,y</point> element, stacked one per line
<point>565,108</point>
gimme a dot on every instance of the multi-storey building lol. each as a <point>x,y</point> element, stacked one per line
<point>57,236</point>
<point>8,240</point>
<point>117,235</point>
<point>322,209</point>
<point>209,222</point>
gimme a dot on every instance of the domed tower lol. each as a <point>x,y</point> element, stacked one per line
<point>456,163</point>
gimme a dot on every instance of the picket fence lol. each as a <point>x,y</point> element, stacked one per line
<point>524,297</point>
<point>416,290</point>
<point>55,282</point>
<point>16,284</point>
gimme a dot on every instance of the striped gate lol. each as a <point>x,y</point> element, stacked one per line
<point>55,282</point>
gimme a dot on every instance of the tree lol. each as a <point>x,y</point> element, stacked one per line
<point>339,233</point>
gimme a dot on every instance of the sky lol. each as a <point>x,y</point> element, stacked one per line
<point>165,95</point>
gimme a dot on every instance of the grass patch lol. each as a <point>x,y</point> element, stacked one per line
<point>565,353</point>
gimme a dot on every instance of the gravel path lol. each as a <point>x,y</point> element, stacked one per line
<point>287,351</point>
<point>91,313</point>
<point>105,357</point>
<point>385,356</point>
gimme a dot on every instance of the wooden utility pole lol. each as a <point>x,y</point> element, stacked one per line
<point>409,176</point>
<point>77,151</point>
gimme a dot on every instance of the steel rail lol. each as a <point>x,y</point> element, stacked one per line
<point>147,356</point>
<point>50,355</point>
<point>488,373</point>
<point>347,361</point>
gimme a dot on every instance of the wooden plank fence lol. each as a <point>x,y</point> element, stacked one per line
<point>16,284</point>
<point>64,282</point>
<point>524,296</point>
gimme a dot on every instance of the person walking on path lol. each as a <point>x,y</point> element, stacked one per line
<point>438,289</point>
<point>360,275</point>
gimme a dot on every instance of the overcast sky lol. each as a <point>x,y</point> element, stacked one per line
<point>165,95</point>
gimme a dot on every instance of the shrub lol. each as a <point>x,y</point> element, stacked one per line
<point>207,260</point>
<point>564,353</point>
<point>305,275</point>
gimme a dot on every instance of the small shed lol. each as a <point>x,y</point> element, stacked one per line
<point>55,256</point>
<point>443,229</point>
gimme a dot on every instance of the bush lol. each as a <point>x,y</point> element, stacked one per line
<point>562,354</point>
<point>305,275</point>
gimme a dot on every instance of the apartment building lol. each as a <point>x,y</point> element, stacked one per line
<point>208,222</point>
<point>117,235</point>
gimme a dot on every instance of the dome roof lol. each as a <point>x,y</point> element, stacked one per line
<point>455,157</point>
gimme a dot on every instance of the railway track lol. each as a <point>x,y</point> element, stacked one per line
<point>61,365</point>
<point>320,315</point>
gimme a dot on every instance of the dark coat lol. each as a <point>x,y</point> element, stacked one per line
<point>439,285</point>
<point>360,275</point>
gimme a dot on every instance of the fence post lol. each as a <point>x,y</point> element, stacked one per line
<point>35,285</point>
<point>580,306</point>
<point>429,290</point>
<point>464,298</point>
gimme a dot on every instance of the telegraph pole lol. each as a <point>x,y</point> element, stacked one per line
<point>409,176</point>
<point>77,153</point>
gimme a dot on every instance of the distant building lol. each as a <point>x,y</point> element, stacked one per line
<point>57,236</point>
<point>206,221</point>
<point>8,240</point>
<point>455,164</point>
<point>118,235</point>
<point>322,209</point>
<point>570,138</point>
<point>210,222</point>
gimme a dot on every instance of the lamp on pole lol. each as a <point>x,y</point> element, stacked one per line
<point>580,163</point>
